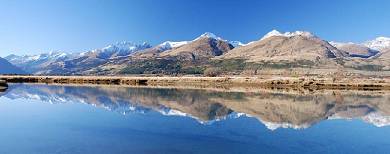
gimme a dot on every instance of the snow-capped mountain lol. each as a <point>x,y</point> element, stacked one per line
<point>62,62</point>
<point>201,49</point>
<point>32,63</point>
<point>215,37</point>
<point>287,34</point>
<point>209,35</point>
<point>54,55</point>
<point>275,47</point>
<point>118,49</point>
<point>170,45</point>
<point>379,43</point>
<point>355,50</point>
<point>364,50</point>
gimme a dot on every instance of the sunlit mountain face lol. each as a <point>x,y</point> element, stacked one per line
<point>274,109</point>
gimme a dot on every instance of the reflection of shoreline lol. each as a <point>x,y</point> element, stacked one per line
<point>246,89</point>
<point>3,86</point>
<point>275,109</point>
<point>3,89</point>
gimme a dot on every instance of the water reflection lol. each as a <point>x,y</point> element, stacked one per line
<point>275,109</point>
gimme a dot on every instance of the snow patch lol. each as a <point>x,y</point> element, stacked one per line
<point>209,35</point>
<point>170,45</point>
<point>236,43</point>
<point>287,34</point>
<point>377,119</point>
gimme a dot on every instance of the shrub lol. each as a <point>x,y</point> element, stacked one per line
<point>212,72</point>
<point>192,70</point>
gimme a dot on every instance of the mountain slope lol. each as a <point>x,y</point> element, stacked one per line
<point>278,53</point>
<point>206,46</point>
<point>286,47</point>
<point>356,50</point>
<point>188,57</point>
<point>382,60</point>
<point>155,51</point>
<point>92,59</point>
<point>8,68</point>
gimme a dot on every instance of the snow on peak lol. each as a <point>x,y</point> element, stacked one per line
<point>287,34</point>
<point>52,55</point>
<point>272,33</point>
<point>236,43</point>
<point>273,126</point>
<point>173,112</point>
<point>379,43</point>
<point>120,49</point>
<point>124,45</point>
<point>169,44</point>
<point>377,119</point>
<point>209,35</point>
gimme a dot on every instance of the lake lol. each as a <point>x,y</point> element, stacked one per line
<point>39,118</point>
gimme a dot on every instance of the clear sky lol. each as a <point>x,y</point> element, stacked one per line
<point>35,26</point>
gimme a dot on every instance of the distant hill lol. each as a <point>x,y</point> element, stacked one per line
<point>8,68</point>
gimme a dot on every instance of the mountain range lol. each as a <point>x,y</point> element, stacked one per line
<point>288,53</point>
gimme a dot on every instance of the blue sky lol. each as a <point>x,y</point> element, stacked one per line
<point>30,27</point>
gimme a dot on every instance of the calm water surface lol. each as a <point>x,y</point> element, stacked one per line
<point>109,119</point>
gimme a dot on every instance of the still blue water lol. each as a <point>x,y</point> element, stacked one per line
<point>82,119</point>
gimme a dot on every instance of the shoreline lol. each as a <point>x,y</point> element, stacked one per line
<point>314,83</point>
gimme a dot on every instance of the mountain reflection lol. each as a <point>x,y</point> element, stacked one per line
<point>275,109</point>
